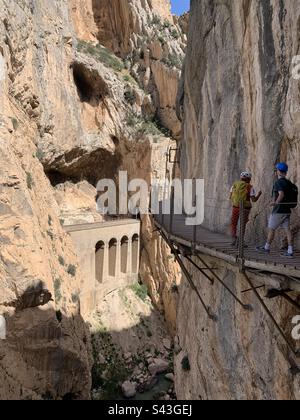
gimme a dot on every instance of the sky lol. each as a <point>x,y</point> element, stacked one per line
<point>180,6</point>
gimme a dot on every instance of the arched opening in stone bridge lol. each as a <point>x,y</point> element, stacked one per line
<point>124,254</point>
<point>112,256</point>
<point>99,261</point>
<point>135,253</point>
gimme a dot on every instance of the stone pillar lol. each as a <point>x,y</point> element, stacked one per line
<point>129,256</point>
<point>138,256</point>
<point>105,262</point>
<point>118,259</point>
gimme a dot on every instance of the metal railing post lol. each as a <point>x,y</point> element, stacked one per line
<point>171,211</point>
<point>241,242</point>
<point>194,205</point>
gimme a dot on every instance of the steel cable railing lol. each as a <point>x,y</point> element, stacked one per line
<point>242,219</point>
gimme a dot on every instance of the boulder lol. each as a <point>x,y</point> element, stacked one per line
<point>158,366</point>
<point>129,389</point>
<point>167,343</point>
<point>170,377</point>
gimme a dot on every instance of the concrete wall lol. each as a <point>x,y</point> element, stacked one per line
<point>109,254</point>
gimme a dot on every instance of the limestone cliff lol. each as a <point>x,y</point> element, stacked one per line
<point>46,352</point>
<point>140,46</point>
<point>87,88</point>
<point>240,107</point>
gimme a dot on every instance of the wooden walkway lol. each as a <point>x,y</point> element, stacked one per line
<point>219,245</point>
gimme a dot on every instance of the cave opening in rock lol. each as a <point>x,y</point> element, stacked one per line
<point>55,177</point>
<point>90,86</point>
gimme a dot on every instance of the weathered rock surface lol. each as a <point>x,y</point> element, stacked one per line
<point>147,37</point>
<point>72,110</point>
<point>241,110</point>
<point>129,389</point>
<point>158,366</point>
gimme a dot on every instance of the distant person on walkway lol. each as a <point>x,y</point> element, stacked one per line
<point>285,197</point>
<point>242,191</point>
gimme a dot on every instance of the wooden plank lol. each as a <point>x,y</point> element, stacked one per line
<point>212,244</point>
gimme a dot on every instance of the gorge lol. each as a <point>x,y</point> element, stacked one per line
<point>96,306</point>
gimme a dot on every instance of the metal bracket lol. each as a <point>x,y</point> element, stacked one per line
<point>281,332</point>
<point>172,149</point>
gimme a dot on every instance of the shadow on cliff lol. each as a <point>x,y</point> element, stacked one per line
<point>125,355</point>
<point>45,353</point>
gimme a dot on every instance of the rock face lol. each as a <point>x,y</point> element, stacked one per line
<point>138,101</point>
<point>241,101</point>
<point>42,356</point>
<point>78,103</point>
<point>158,366</point>
<point>240,108</point>
<point>147,37</point>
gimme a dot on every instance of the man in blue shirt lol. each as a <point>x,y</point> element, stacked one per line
<point>281,214</point>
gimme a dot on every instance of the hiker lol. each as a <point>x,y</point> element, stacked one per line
<point>285,197</point>
<point>242,191</point>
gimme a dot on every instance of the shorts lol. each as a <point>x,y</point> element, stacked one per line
<point>277,221</point>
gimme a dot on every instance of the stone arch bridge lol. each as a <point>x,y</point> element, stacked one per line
<point>109,254</point>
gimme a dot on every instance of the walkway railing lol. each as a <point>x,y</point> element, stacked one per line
<point>169,234</point>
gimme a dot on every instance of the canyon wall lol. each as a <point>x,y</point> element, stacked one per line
<point>87,89</point>
<point>240,107</point>
<point>46,350</point>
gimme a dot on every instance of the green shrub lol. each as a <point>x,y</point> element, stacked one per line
<point>129,96</point>
<point>140,290</point>
<point>107,57</point>
<point>161,39</point>
<point>162,128</point>
<point>127,78</point>
<point>15,123</point>
<point>149,127</point>
<point>156,20</point>
<point>133,120</point>
<point>166,24</point>
<point>40,154</point>
<point>29,180</point>
<point>75,297</point>
<point>174,288</point>
<point>61,261</point>
<point>175,34</point>
<point>71,270</point>
<point>172,61</point>
<point>57,291</point>
<point>185,363</point>
<point>115,368</point>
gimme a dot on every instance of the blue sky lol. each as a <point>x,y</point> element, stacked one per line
<point>180,6</point>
